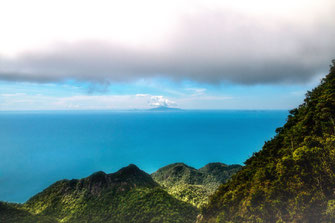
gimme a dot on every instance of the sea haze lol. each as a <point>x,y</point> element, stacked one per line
<point>39,148</point>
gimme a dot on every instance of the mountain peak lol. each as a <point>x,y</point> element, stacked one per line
<point>99,177</point>
<point>130,169</point>
<point>128,195</point>
<point>182,173</point>
<point>125,179</point>
<point>176,173</point>
<point>133,175</point>
<point>214,165</point>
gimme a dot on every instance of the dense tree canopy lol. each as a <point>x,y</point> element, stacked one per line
<point>292,179</point>
<point>129,195</point>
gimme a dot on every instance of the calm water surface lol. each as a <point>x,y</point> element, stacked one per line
<point>39,148</point>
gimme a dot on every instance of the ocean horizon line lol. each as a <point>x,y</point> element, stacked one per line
<point>138,110</point>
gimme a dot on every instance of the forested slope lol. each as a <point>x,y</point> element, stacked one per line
<point>193,185</point>
<point>292,179</point>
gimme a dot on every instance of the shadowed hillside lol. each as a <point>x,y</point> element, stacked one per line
<point>14,213</point>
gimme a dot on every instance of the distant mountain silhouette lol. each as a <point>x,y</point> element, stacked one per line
<point>164,108</point>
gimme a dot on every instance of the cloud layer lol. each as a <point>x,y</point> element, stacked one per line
<point>211,45</point>
<point>157,101</point>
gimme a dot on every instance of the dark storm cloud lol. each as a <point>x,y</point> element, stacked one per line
<point>211,47</point>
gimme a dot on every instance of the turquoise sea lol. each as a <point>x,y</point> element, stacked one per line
<point>39,148</point>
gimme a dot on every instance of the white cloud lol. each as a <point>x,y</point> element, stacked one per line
<point>157,101</point>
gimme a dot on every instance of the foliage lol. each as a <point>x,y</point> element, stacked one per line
<point>14,213</point>
<point>193,185</point>
<point>130,195</point>
<point>292,179</point>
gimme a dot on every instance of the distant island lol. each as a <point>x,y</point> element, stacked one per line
<point>164,109</point>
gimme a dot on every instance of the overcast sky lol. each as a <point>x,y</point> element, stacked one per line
<point>221,54</point>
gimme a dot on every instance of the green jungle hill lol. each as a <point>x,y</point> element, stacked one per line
<point>127,196</point>
<point>292,178</point>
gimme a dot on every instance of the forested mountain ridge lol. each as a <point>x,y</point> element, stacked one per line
<point>292,179</point>
<point>129,195</point>
<point>193,185</point>
<point>126,196</point>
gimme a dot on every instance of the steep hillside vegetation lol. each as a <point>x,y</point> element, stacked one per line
<point>292,179</point>
<point>14,213</point>
<point>129,195</point>
<point>191,185</point>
